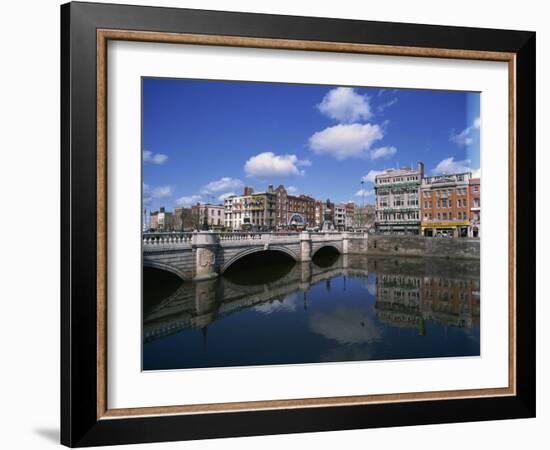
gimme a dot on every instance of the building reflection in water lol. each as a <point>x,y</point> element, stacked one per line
<point>325,301</point>
<point>409,301</point>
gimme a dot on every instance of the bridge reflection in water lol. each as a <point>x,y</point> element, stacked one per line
<point>335,308</point>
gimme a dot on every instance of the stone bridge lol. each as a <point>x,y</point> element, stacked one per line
<point>205,255</point>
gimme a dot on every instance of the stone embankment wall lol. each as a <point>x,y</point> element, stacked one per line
<point>357,245</point>
<point>423,246</point>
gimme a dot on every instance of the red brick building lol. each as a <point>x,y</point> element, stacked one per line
<point>303,206</point>
<point>445,209</point>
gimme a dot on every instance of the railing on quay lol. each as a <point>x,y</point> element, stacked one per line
<point>163,238</point>
<point>151,239</point>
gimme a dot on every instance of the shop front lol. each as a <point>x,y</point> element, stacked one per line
<point>397,228</point>
<point>445,229</point>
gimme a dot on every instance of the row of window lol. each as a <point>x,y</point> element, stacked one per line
<point>446,216</point>
<point>444,193</point>
<point>398,216</point>
<point>444,203</point>
<point>398,179</point>
<point>238,216</point>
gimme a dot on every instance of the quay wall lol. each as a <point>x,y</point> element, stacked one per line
<point>460,248</point>
<point>357,245</point>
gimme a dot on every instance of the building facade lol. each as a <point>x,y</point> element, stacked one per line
<point>474,202</point>
<point>350,221</point>
<point>340,216</point>
<point>185,220</point>
<point>301,211</point>
<point>281,208</point>
<point>445,210</point>
<point>397,200</point>
<point>251,211</point>
<point>161,220</point>
<point>319,213</point>
<point>214,215</point>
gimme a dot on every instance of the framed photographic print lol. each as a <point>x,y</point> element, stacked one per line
<point>273,224</point>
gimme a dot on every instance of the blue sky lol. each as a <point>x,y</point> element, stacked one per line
<point>205,139</point>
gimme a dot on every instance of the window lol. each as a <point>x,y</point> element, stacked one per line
<point>476,188</point>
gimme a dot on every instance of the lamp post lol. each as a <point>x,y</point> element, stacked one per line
<point>362,204</point>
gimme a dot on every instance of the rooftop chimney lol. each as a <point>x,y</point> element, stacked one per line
<point>421,169</point>
<point>248,190</point>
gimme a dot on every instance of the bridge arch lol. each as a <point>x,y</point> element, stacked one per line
<point>152,264</point>
<point>334,247</point>
<point>250,251</point>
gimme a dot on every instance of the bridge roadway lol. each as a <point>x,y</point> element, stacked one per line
<point>205,255</point>
<point>195,305</point>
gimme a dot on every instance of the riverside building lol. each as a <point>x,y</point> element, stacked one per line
<point>252,210</point>
<point>445,210</point>
<point>301,211</point>
<point>397,200</point>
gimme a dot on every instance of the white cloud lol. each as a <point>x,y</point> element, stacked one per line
<point>372,289</point>
<point>222,197</point>
<point>345,105</point>
<point>223,184</point>
<point>449,165</point>
<point>383,152</point>
<point>188,200</point>
<point>345,325</point>
<point>154,158</point>
<point>369,177</point>
<point>268,164</point>
<point>150,193</point>
<point>346,141</point>
<point>292,190</point>
<point>387,104</point>
<point>288,304</point>
<point>158,191</point>
<point>466,136</point>
<point>476,173</point>
<point>364,192</point>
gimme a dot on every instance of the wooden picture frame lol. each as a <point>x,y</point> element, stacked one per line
<point>85,417</point>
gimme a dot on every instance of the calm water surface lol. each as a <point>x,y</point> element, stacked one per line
<point>268,310</point>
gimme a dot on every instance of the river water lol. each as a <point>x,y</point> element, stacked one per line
<point>269,310</point>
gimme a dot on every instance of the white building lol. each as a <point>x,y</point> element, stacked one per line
<point>398,200</point>
<point>340,216</point>
<point>253,210</point>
